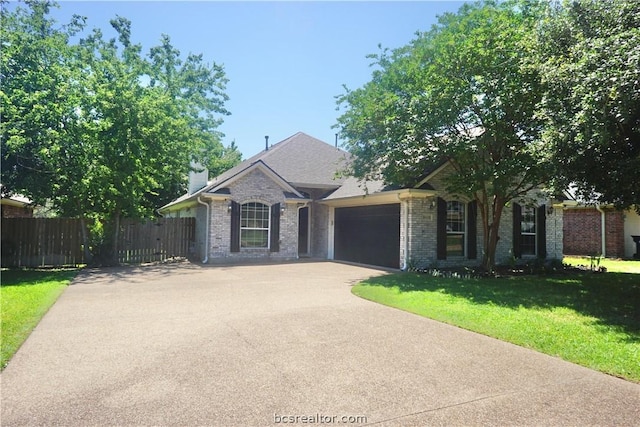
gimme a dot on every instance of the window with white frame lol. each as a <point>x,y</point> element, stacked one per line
<point>455,228</point>
<point>528,231</point>
<point>254,225</point>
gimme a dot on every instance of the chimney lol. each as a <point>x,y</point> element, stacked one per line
<point>266,143</point>
<point>197,180</point>
<point>336,140</point>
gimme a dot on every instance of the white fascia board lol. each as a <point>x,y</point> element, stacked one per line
<point>214,196</point>
<point>581,205</point>
<point>13,202</point>
<point>191,202</point>
<point>432,174</point>
<point>177,206</point>
<point>296,200</point>
<point>383,198</point>
<point>321,186</point>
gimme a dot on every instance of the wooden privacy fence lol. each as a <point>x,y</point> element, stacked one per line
<point>38,242</point>
<point>156,240</point>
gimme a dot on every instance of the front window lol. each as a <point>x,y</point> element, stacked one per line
<point>455,228</point>
<point>528,231</point>
<point>254,225</point>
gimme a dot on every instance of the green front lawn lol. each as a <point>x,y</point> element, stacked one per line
<point>26,295</point>
<point>612,265</point>
<point>589,319</point>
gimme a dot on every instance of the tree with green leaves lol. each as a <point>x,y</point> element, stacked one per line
<point>589,56</point>
<point>462,93</point>
<point>37,94</point>
<point>111,134</point>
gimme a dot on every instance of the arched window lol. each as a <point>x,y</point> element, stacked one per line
<point>254,225</point>
<point>455,228</point>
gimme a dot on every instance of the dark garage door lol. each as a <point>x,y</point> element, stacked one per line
<point>368,234</point>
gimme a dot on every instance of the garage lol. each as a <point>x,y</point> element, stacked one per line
<point>368,235</point>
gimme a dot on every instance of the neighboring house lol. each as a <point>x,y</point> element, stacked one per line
<point>290,201</point>
<point>600,230</point>
<point>16,206</point>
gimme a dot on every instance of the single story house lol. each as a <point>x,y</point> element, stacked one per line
<point>290,201</point>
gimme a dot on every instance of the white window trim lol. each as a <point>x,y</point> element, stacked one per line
<point>463,233</point>
<point>527,233</point>
<point>253,228</point>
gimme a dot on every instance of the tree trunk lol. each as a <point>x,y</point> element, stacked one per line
<point>491,216</point>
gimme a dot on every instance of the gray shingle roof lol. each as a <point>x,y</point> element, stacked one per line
<point>352,187</point>
<point>300,160</point>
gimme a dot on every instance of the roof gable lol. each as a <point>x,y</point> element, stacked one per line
<point>301,160</point>
<point>431,174</point>
<point>258,165</point>
<point>297,161</point>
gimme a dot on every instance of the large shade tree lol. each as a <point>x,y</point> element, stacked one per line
<point>590,63</point>
<point>98,129</point>
<point>463,93</point>
<point>37,93</point>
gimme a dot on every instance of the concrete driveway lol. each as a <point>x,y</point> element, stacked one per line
<point>281,344</point>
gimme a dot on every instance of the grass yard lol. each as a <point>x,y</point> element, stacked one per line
<point>612,265</point>
<point>589,319</point>
<point>26,295</point>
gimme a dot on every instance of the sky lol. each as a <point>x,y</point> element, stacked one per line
<point>285,61</point>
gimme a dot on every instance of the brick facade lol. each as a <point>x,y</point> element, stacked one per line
<point>583,232</point>
<point>258,187</point>
<point>420,229</point>
<point>10,211</point>
<point>614,233</point>
<point>419,222</point>
<point>253,187</point>
<point>418,246</point>
<point>555,232</point>
<point>319,223</point>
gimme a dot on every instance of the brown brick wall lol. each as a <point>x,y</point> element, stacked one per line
<point>582,232</point>
<point>614,226</point>
<point>9,211</point>
<point>255,186</point>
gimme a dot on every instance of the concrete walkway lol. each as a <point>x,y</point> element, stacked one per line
<point>264,345</point>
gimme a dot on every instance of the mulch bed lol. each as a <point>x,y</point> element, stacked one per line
<point>509,271</point>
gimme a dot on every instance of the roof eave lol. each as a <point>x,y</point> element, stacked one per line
<point>192,201</point>
<point>381,198</point>
<point>582,205</point>
<point>297,200</point>
<point>434,173</point>
<point>16,203</point>
<point>173,207</point>
<point>324,186</point>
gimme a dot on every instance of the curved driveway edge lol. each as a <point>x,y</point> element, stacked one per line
<point>280,344</point>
